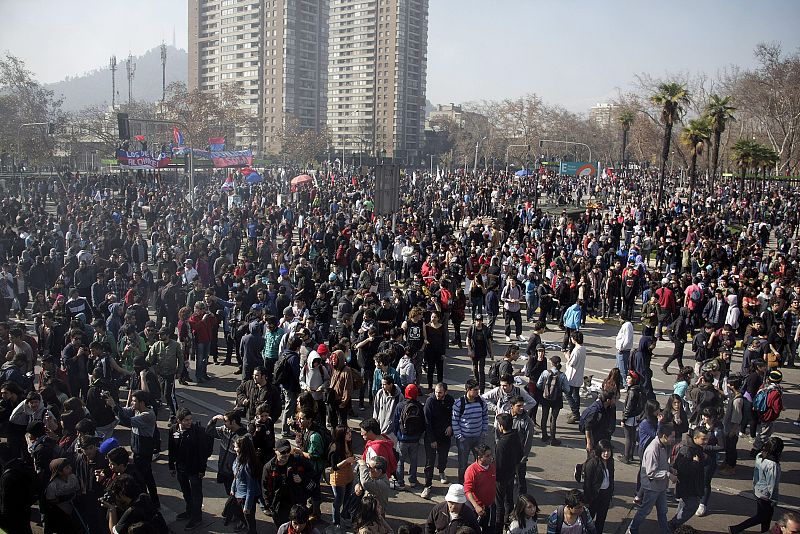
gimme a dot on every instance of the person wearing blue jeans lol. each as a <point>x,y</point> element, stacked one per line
<point>655,475</point>
<point>689,464</point>
<point>623,357</point>
<point>201,365</point>
<point>470,424</point>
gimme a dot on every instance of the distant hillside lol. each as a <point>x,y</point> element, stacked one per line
<point>94,88</point>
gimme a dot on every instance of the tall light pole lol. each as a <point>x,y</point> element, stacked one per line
<point>163,75</point>
<point>477,144</point>
<point>112,65</point>
<point>514,146</point>
<point>130,68</point>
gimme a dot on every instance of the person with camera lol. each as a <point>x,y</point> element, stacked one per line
<point>128,504</point>
<point>74,358</point>
<point>142,422</point>
<point>188,453</point>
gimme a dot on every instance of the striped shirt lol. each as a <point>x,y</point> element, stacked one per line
<point>474,422</point>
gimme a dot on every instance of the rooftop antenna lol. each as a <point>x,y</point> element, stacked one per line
<point>112,64</point>
<point>173,37</point>
<point>130,67</point>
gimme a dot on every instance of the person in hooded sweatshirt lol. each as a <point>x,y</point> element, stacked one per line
<point>679,331</point>
<point>386,401</point>
<point>641,364</point>
<point>508,455</point>
<point>250,348</point>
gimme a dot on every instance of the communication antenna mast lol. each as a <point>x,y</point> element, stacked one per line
<point>163,73</point>
<point>130,67</point>
<point>112,64</point>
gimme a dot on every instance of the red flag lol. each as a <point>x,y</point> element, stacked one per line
<point>138,138</point>
<point>246,171</point>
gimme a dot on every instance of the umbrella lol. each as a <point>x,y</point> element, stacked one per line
<point>301,179</point>
<point>523,172</point>
<point>253,178</point>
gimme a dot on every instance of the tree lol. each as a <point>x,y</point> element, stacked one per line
<point>625,119</point>
<point>744,153</point>
<point>671,98</point>
<point>720,112</point>
<point>301,145</point>
<point>24,100</point>
<point>695,136</point>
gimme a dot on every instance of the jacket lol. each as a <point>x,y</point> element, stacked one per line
<point>377,487</point>
<point>439,521</point>
<point>632,402</point>
<point>624,340</point>
<point>508,455</point>
<point>598,420</point>
<point>654,470</point>
<point>766,478</point>
<point>143,427</point>
<point>593,475</point>
<point>398,431</point>
<point>245,485</point>
<point>553,527</point>
<point>167,357</point>
<point>187,449</point>
<point>691,477</point>
<point>280,489</point>
<point>255,395</point>
<point>342,384</point>
<point>438,416</point>
<point>523,424</point>
<point>575,366</point>
<point>572,317</point>
<point>251,346</point>
<point>226,452</point>
<point>385,406</point>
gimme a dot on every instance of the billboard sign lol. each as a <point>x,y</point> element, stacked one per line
<point>578,168</point>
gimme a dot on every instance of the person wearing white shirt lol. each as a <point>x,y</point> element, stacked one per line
<point>576,362</point>
<point>624,344</point>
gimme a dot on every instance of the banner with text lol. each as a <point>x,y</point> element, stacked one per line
<point>239,158</point>
<point>142,160</point>
<point>578,168</point>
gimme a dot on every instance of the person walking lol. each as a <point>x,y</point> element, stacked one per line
<point>479,346</point>
<point>598,483</point>
<point>598,420</point>
<point>470,423</point>
<point>655,475</point>
<point>766,480</point>
<point>624,345</point>
<point>634,407</point>
<point>480,482</point>
<point>438,411</point>
<point>245,488</point>
<point>509,455</point>
<point>511,297</point>
<point>575,368</point>
<point>554,385</point>
<point>524,426</point>
<point>409,427</point>
<point>188,452</point>
<point>342,461</point>
<point>166,355</point>
<point>688,465</point>
<point>678,332</point>
<point>767,405</point>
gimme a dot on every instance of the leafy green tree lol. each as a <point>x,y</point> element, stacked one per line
<point>672,98</point>
<point>720,112</point>
<point>744,153</point>
<point>695,137</point>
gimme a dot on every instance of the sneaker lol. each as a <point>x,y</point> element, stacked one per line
<point>701,510</point>
<point>508,339</point>
<point>442,478</point>
<point>181,516</point>
<point>522,338</point>
<point>194,523</point>
<point>238,371</point>
<point>426,492</point>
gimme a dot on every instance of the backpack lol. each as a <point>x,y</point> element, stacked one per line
<point>327,439</point>
<point>552,388</point>
<point>494,374</point>
<point>412,419</point>
<point>768,406</point>
<point>560,518</point>
<point>445,297</point>
<point>695,296</point>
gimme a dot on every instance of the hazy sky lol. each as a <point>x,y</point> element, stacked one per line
<point>570,52</point>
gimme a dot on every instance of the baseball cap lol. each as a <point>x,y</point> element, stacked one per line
<point>283,445</point>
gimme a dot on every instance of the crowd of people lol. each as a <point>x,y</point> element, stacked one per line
<point>116,290</point>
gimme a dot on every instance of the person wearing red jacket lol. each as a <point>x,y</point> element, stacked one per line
<point>203,325</point>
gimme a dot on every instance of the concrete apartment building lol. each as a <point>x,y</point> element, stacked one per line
<point>355,67</point>
<point>277,50</point>
<point>377,76</point>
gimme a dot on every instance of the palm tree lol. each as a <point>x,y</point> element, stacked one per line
<point>744,154</point>
<point>625,119</point>
<point>767,157</point>
<point>695,136</point>
<point>671,97</point>
<point>720,111</point>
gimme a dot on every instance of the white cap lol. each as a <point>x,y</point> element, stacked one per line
<point>455,493</point>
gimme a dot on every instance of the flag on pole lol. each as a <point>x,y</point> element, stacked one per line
<point>228,184</point>
<point>138,138</point>
<point>216,144</point>
<point>177,136</point>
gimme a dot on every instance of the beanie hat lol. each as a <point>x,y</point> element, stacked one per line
<point>412,391</point>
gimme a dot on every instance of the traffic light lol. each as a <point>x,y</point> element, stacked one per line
<point>123,126</point>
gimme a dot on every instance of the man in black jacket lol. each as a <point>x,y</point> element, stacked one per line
<point>451,515</point>
<point>508,455</point>
<point>188,453</point>
<point>438,417</point>
<point>598,420</point>
<point>691,478</point>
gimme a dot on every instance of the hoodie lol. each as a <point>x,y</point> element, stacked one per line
<point>313,378</point>
<point>385,406</point>
<point>734,313</point>
<point>641,362</point>
<point>691,477</point>
<point>624,341</point>
<point>508,455</point>
<point>252,345</point>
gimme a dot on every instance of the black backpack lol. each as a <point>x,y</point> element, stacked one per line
<point>283,373</point>
<point>552,387</point>
<point>412,419</point>
<point>560,518</point>
<point>494,374</point>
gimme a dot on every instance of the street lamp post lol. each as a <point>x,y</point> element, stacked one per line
<point>477,143</point>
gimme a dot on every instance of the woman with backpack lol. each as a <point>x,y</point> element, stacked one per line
<point>635,400</point>
<point>554,385</point>
<point>766,479</point>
